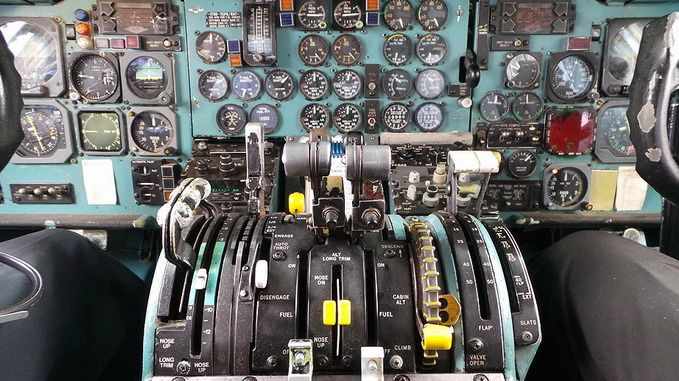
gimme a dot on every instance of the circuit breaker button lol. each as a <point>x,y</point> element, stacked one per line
<point>344,312</point>
<point>437,337</point>
<point>329,312</point>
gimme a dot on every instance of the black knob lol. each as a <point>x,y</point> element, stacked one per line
<point>331,217</point>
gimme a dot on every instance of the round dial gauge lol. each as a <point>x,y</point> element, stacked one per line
<point>527,106</point>
<point>211,47</point>
<point>313,50</point>
<point>572,78</point>
<point>41,133</point>
<point>311,15</point>
<point>347,14</point>
<point>346,49</point>
<point>523,70</point>
<point>100,131</point>
<point>279,84</point>
<point>614,130</point>
<point>397,84</point>
<point>431,49</point>
<point>246,85</point>
<point>35,52</point>
<point>265,114</point>
<point>396,117</point>
<point>429,117</point>
<point>623,50</point>
<point>146,77</point>
<point>432,14</point>
<point>313,116</point>
<point>213,85</point>
<point>231,119</point>
<point>347,84</point>
<point>430,83</point>
<point>521,164</point>
<point>398,49</point>
<point>398,14</point>
<point>94,77</point>
<point>565,187</point>
<point>347,117</point>
<point>152,131</point>
<point>494,106</point>
<point>314,85</point>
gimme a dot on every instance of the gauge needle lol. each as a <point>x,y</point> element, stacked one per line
<point>245,91</point>
<point>35,132</point>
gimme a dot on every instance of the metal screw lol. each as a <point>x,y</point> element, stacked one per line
<point>183,367</point>
<point>323,361</point>
<point>480,377</point>
<point>278,255</point>
<point>372,366</point>
<point>272,361</point>
<point>526,336</point>
<point>244,293</point>
<point>246,268</point>
<point>250,378</point>
<point>389,253</point>
<point>401,377</point>
<point>396,362</point>
<point>476,345</point>
<point>347,361</point>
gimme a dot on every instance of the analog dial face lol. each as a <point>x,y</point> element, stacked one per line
<point>430,83</point>
<point>41,132</point>
<point>314,85</point>
<point>623,51</point>
<point>566,187</point>
<point>265,114</point>
<point>35,52</point>
<point>311,15</point>
<point>313,116</point>
<point>346,49</point>
<point>397,84</point>
<point>100,131</point>
<point>279,84</point>
<point>152,131</point>
<point>313,50</point>
<point>523,70</point>
<point>398,49</point>
<point>94,77</point>
<point>431,49</point>
<point>347,84</point>
<point>246,85</point>
<point>347,117</point>
<point>231,119</point>
<point>429,117</point>
<point>396,117</point>
<point>614,130</point>
<point>521,164</point>
<point>398,14</point>
<point>494,106</point>
<point>432,14</point>
<point>146,77</point>
<point>213,85</point>
<point>211,47</point>
<point>572,78</point>
<point>347,14</point>
<point>527,106</point>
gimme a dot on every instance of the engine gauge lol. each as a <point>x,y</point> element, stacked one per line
<point>566,186</point>
<point>347,15</point>
<point>347,84</point>
<point>522,70</point>
<point>429,117</point>
<point>397,84</point>
<point>259,33</point>
<point>572,77</point>
<point>347,117</point>
<point>265,114</point>
<point>398,14</point>
<point>213,85</point>
<point>346,49</point>
<point>231,119</point>
<point>314,85</point>
<point>312,15</point>
<point>41,134</point>
<point>94,76</point>
<point>431,49</point>
<point>570,131</point>
<point>398,49</point>
<point>396,117</point>
<point>211,47</point>
<point>623,37</point>
<point>246,85</point>
<point>523,163</point>
<point>613,143</point>
<point>153,132</point>
<point>279,84</point>
<point>100,132</point>
<point>313,116</point>
<point>527,106</point>
<point>430,83</point>
<point>432,14</point>
<point>494,106</point>
<point>313,50</point>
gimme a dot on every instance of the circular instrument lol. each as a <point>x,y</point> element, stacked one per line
<point>211,47</point>
<point>398,49</point>
<point>347,117</point>
<point>100,131</point>
<point>279,84</point>
<point>313,50</point>
<point>429,117</point>
<point>572,78</point>
<point>213,85</point>
<point>246,85</point>
<point>397,84</point>
<point>146,77</point>
<point>152,131</point>
<point>347,14</point>
<point>522,71</point>
<point>311,15</point>
<point>313,116</point>
<point>432,14</point>
<point>494,106</point>
<point>265,114</point>
<point>347,84</point>
<point>621,53</point>
<point>231,119</point>
<point>431,49</point>
<point>94,77</point>
<point>314,85</point>
<point>521,164</point>
<point>346,49</point>
<point>398,14</point>
<point>396,117</point>
<point>430,83</point>
<point>527,106</point>
<point>565,187</point>
<point>41,133</point>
